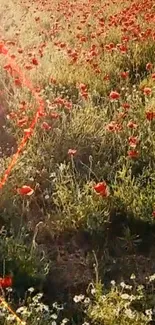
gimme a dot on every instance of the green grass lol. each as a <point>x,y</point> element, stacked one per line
<point>68,231</point>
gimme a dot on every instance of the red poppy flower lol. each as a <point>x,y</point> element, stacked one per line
<point>153,214</point>
<point>133,153</point>
<point>11,115</point>
<point>124,74</point>
<point>59,101</point>
<point>53,80</point>
<point>20,50</point>
<point>42,114</point>
<point>69,105</point>
<point>46,126</point>
<point>72,152</point>
<point>150,115</point>
<point>153,76</point>
<point>3,49</point>
<point>147,91</point>
<point>126,106</point>
<point>114,95</point>
<point>25,190</point>
<point>28,67</point>
<point>83,87</point>
<point>106,77</point>
<point>113,126</point>
<point>55,115</point>
<point>13,56</point>
<point>149,66</point>
<point>22,106</point>
<point>35,61</point>
<point>133,141</point>
<point>132,125</point>
<point>84,94</point>
<point>102,189</point>
<point>18,82</point>
<point>22,121</point>
<point>6,282</point>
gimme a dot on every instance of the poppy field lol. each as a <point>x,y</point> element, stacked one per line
<point>77,162</point>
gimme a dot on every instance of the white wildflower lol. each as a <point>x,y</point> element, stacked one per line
<point>22,309</point>
<point>123,285</point>
<point>113,283</point>
<point>31,290</point>
<point>125,296</point>
<point>149,313</point>
<point>151,277</point>
<point>54,316</point>
<point>129,313</point>
<point>93,291</point>
<point>64,321</point>
<point>78,298</point>
<point>10,318</point>
<point>87,300</point>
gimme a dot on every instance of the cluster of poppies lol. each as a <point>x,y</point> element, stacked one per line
<point>87,29</point>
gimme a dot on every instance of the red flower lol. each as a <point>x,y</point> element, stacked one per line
<point>149,66</point>
<point>150,115</point>
<point>8,68</point>
<point>153,214</point>
<point>133,141</point>
<point>84,94</point>
<point>18,82</point>
<point>147,91</point>
<point>153,76</point>
<point>28,67</point>
<point>3,49</point>
<point>35,61</point>
<point>55,115</point>
<point>6,282</point>
<point>68,105</point>
<point>25,190</point>
<point>133,153</point>
<point>113,126</point>
<point>124,74</point>
<point>114,95</point>
<point>106,77</point>
<point>46,126</point>
<point>42,114</point>
<point>20,50</point>
<point>13,56</point>
<point>59,101</point>
<point>22,121</point>
<point>53,80</point>
<point>83,87</point>
<point>102,189</point>
<point>132,125</point>
<point>126,106</point>
<point>123,48</point>
<point>72,152</point>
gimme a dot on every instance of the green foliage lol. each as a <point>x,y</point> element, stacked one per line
<point>22,260</point>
